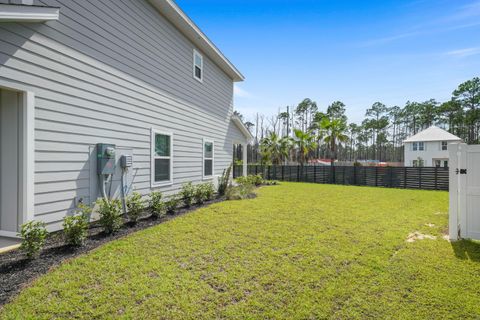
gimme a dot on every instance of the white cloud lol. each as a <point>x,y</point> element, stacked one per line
<point>462,53</point>
<point>241,93</point>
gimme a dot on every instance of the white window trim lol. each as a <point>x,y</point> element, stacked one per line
<point>422,144</point>
<point>205,140</point>
<point>446,145</point>
<point>195,53</point>
<point>153,157</point>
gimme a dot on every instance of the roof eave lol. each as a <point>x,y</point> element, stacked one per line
<point>179,19</point>
<point>239,123</point>
<point>22,13</point>
<point>430,140</point>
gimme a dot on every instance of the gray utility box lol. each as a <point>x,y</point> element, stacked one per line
<point>126,161</point>
<point>105,158</point>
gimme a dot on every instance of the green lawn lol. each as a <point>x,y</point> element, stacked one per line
<point>297,251</point>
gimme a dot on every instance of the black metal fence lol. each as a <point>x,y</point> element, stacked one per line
<point>428,178</point>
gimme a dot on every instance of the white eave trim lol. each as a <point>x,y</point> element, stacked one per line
<point>182,22</point>
<point>239,123</point>
<point>24,13</point>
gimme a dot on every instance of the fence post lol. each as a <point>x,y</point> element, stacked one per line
<point>354,175</point>
<point>334,178</point>
<point>405,177</point>
<point>314,174</point>
<point>283,174</point>
<point>420,177</point>
<point>298,173</point>
<point>436,178</point>
<point>376,176</point>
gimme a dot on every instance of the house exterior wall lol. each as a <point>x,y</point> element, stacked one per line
<point>433,150</point>
<point>108,72</point>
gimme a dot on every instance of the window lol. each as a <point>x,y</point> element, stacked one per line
<point>444,145</point>
<point>208,156</point>
<point>418,146</point>
<point>445,164</point>
<point>197,66</point>
<point>162,159</point>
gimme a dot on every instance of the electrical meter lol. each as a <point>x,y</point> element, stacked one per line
<point>105,158</point>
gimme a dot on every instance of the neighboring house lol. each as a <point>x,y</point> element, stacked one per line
<point>429,148</point>
<point>136,74</point>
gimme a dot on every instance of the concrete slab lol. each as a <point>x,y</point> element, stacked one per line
<point>8,244</point>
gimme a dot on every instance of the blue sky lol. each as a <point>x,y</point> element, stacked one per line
<point>358,52</point>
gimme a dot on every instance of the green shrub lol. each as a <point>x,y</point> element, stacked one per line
<point>209,191</point>
<point>204,192</point>
<point>255,180</point>
<point>270,182</point>
<point>135,207</point>
<point>224,181</point>
<point>75,228</point>
<point>158,207</point>
<point>172,203</point>
<point>110,215</point>
<point>188,193</point>
<point>240,192</point>
<point>33,235</point>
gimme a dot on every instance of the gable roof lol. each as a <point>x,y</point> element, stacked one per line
<point>433,134</point>
<point>170,10</point>
<point>243,128</point>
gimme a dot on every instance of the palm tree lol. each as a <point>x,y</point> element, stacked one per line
<point>275,148</point>
<point>306,143</point>
<point>334,131</point>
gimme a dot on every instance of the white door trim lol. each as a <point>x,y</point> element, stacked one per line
<point>26,177</point>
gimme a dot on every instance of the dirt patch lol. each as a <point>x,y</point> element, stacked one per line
<point>414,236</point>
<point>16,271</point>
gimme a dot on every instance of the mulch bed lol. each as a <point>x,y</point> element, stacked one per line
<point>16,271</point>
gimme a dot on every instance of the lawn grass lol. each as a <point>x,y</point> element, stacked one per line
<point>297,251</point>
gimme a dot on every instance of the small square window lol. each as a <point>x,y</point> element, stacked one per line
<point>444,145</point>
<point>421,146</point>
<point>415,146</point>
<point>197,66</point>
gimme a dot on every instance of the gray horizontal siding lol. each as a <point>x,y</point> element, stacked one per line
<point>108,72</point>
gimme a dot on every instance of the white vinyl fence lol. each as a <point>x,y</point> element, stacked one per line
<point>464,220</point>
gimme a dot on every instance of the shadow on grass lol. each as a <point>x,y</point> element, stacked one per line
<point>467,250</point>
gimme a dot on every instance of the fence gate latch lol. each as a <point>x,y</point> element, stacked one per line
<point>461,171</point>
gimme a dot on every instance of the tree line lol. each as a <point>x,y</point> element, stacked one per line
<point>305,132</point>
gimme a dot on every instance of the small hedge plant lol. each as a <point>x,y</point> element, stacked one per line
<point>255,180</point>
<point>158,207</point>
<point>75,228</point>
<point>110,215</point>
<point>33,235</point>
<point>188,194</point>
<point>172,203</point>
<point>240,192</point>
<point>135,207</point>
<point>204,192</point>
